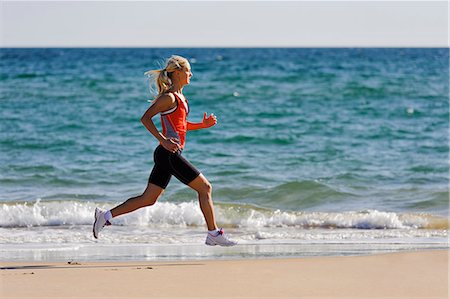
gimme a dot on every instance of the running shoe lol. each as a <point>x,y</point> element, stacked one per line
<point>99,222</point>
<point>220,239</point>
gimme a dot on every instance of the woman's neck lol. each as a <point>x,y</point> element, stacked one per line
<point>176,88</point>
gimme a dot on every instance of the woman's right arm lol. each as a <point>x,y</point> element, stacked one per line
<point>161,104</point>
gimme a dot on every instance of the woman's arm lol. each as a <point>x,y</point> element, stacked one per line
<point>161,104</point>
<point>206,123</point>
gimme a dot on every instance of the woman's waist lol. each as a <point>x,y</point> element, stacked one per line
<point>161,148</point>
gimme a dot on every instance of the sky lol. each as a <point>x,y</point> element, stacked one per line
<point>224,23</point>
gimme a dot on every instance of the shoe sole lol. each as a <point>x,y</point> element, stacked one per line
<point>95,222</point>
<point>212,243</point>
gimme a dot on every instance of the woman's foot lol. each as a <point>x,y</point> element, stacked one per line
<point>99,222</point>
<point>219,239</point>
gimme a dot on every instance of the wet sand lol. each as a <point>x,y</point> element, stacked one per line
<point>421,274</point>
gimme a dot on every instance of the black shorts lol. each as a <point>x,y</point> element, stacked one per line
<point>168,164</point>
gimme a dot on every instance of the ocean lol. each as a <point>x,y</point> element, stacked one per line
<point>317,151</point>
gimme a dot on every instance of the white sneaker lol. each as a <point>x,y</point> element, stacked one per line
<point>99,222</point>
<point>220,239</point>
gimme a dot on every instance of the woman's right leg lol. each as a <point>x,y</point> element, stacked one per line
<point>148,198</point>
<point>157,182</point>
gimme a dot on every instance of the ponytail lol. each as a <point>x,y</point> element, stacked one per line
<point>161,77</point>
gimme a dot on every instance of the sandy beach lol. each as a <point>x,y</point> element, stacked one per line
<point>398,275</point>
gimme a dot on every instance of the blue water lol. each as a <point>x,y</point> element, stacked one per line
<point>306,138</point>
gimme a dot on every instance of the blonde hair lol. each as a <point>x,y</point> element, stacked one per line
<point>162,77</point>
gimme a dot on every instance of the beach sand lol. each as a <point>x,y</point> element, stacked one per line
<point>398,275</point>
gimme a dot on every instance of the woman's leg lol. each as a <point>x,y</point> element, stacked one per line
<point>148,198</point>
<point>204,190</point>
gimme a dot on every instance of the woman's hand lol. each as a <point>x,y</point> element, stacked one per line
<point>209,121</point>
<point>171,144</point>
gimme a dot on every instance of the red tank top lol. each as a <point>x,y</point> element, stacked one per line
<point>174,121</point>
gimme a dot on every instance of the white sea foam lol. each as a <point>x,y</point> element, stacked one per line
<point>63,229</point>
<point>359,220</point>
<point>188,214</point>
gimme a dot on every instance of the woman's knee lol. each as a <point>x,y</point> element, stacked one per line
<point>201,185</point>
<point>148,200</point>
<point>205,187</point>
<point>151,195</point>
<point>208,187</point>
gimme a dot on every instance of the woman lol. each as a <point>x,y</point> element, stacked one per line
<point>173,108</point>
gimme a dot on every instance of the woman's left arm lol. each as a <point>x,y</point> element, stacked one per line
<point>206,123</point>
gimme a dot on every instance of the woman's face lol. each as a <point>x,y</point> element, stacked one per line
<point>184,75</point>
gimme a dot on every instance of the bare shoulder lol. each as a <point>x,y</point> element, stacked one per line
<point>165,101</point>
<point>166,97</point>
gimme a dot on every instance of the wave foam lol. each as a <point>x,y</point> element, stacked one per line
<point>185,214</point>
<point>359,220</point>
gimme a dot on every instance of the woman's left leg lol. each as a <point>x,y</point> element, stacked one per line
<point>204,191</point>
<point>184,171</point>
<point>215,236</point>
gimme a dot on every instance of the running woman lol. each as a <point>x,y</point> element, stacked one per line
<point>173,107</point>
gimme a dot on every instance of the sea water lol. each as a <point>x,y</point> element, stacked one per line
<point>316,152</point>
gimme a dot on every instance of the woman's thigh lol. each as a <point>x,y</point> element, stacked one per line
<point>182,169</point>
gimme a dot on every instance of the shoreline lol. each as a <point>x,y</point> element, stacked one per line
<point>419,274</point>
<point>199,252</point>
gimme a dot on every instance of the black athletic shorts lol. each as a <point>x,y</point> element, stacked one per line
<point>168,164</point>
